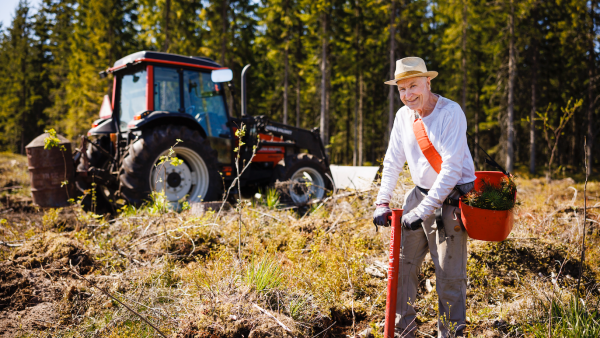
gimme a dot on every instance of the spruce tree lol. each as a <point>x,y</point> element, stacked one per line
<point>103,32</point>
<point>24,82</point>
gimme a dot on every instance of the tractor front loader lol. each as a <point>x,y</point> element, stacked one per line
<point>164,101</point>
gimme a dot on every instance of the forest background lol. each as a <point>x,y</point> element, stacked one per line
<point>322,63</point>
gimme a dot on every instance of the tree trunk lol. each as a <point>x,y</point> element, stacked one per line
<point>347,150</point>
<point>223,31</point>
<point>534,68</point>
<point>327,98</point>
<point>476,146</point>
<point>285,76</point>
<point>298,79</point>
<point>572,154</point>
<point>477,108</point>
<point>512,67</point>
<point>323,121</point>
<point>392,67</point>
<point>355,148</point>
<point>361,93</point>
<point>464,57</point>
<point>590,112</point>
<point>23,140</point>
<point>167,28</point>
<point>298,101</point>
<point>357,68</point>
<point>285,84</point>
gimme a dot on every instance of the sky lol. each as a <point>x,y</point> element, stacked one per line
<point>8,7</point>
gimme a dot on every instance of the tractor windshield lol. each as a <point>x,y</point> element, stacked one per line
<point>204,100</point>
<point>132,96</point>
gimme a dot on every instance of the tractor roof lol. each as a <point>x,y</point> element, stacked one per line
<point>165,58</point>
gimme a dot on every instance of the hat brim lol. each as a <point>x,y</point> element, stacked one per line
<point>432,74</point>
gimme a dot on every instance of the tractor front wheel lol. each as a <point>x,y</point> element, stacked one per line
<point>303,178</point>
<point>195,178</point>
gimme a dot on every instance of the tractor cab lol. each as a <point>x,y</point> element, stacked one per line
<point>151,86</point>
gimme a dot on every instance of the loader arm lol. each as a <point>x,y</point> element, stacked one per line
<point>293,137</point>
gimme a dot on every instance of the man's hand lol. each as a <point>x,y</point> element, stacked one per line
<point>411,221</point>
<point>381,214</point>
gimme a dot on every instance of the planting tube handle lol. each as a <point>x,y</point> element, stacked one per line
<point>392,285</point>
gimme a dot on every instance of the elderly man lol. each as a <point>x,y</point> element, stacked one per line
<point>431,218</point>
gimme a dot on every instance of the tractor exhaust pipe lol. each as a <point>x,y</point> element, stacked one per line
<point>244,93</point>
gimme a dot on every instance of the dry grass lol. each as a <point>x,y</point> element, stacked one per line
<point>14,181</point>
<point>309,271</point>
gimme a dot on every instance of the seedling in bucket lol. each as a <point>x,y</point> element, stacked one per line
<point>492,196</point>
<point>486,212</point>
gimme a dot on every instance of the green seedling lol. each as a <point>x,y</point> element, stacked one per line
<point>494,197</point>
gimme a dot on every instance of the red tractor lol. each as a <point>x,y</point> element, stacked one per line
<point>160,100</point>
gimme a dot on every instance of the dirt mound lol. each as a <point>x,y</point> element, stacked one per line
<point>15,290</point>
<point>55,250</point>
<point>21,288</point>
<point>525,257</point>
<point>20,323</point>
<point>183,248</point>
<point>227,321</point>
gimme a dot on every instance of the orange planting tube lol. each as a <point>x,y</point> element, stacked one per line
<point>392,287</point>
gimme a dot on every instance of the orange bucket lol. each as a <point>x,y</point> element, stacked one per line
<point>484,224</point>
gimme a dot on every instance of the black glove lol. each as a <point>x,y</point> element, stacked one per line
<point>381,214</point>
<point>411,221</point>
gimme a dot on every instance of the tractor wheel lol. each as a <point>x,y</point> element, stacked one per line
<point>197,178</point>
<point>305,178</point>
<point>97,198</point>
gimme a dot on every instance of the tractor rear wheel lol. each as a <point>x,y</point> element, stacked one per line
<point>196,179</point>
<point>306,177</point>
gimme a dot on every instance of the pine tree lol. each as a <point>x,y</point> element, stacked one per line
<point>591,132</point>
<point>102,34</point>
<point>24,82</point>
<point>512,73</point>
<point>61,15</point>
<point>171,26</point>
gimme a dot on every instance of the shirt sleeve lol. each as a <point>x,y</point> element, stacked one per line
<point>453,144</point>
<point>393,163</point>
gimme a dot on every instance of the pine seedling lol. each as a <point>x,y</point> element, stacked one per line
<point>494,197</point>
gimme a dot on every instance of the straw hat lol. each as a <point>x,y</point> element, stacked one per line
<point>410,67</point>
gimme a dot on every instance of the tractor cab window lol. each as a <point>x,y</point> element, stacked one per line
<point>166,89</point>
<point>205,101</point>
<point>132,96</point>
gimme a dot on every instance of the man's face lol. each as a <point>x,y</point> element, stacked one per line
<point>414,92</point>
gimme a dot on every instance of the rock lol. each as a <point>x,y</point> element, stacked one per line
<point>499,323</point>
<point>381,265</point>
<point>366,333</point>
<point>428,285</point>
<point>374,271</point>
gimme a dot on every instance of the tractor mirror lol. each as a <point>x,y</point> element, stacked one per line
<point>221,75</point>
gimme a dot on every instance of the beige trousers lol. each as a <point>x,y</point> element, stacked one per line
<point>449,255</point>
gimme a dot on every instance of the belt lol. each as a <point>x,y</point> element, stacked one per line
<point>439,221</point>
<point>449,201</point>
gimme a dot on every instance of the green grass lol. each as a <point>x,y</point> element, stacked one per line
<point>264,275</point>
<point>272,198</point>
<point>570,319</point>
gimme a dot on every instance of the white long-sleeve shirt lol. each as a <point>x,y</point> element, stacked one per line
<point>446,127</point>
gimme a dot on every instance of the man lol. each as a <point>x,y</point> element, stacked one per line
<point>431,208</point>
